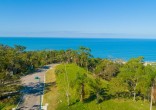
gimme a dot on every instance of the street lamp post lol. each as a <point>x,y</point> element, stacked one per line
<point>38,78</point>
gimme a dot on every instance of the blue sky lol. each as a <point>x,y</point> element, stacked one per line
<point>78,18</point>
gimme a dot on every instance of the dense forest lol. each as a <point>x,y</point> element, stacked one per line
<point>95,78</point>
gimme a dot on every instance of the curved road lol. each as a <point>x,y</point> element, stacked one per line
<point>32,89</point>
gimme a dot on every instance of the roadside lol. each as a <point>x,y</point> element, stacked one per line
<point>50,93</point>
<point>32,89</point>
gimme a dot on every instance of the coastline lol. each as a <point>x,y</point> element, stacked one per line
<point>145,63</point>
<point>149,63</point>
<point>100,48</point>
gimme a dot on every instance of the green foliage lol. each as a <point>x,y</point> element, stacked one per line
<point>132,79</point>
<point>107,69</point>
<point>78,80</point>
<point>118,88</point>
<point>98,88</point>
<point>16,62</point>
<point>138,77</point>
<point>76,83</point>
<point>9,102</point>
<point>73,73</point>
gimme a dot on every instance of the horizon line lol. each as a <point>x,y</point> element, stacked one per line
<point>77,37</point>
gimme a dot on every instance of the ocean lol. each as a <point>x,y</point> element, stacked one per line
<point>100,47</point>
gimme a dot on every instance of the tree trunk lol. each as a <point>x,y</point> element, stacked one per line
<point>67,86</point>
<point>144,98</point>
<point>97,97</point>
<point>81,63</point>
<point>67,94</point>
<point>151,99</point>
<point>87,66</point>
<point>134,96</point>
<point>82,93</point>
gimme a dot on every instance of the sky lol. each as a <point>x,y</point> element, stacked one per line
<point>78,18</point>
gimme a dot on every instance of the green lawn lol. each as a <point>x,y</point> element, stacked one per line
<point>112,104</point>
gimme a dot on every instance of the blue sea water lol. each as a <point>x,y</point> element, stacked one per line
<point>101,47</point>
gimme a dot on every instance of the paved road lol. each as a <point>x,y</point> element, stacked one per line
<point>32,89</point>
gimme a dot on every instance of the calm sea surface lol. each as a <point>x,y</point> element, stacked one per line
<point>104,48</point>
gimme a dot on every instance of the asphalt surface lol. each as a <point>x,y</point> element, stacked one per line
<point>32,89</point>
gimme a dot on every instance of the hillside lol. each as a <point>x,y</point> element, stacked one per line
<point>65,75</point>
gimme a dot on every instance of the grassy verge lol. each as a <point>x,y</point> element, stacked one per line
<point>9,103</point>
<point>50,95</point>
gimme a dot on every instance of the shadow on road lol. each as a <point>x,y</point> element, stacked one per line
<point>41,69</point>
<point>32,89</point>
<point>37,89</point>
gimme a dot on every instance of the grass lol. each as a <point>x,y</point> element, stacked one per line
<point>62,82</point>
<point>9,103</point>
<point>112,104</point>
<point>50,95</point>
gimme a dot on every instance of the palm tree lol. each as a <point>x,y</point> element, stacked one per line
<point>80,81</point>
<point>84,55</point>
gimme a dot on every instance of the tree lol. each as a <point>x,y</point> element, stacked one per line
<point>118,88</point>
<point>107,69</point>
<point>97,88</point>
<point>79,83</point>
<point>146,81</point>
<point>132,73</point>
<point>20,48</point>
<point>92,63</point>
<point>84,55</point>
